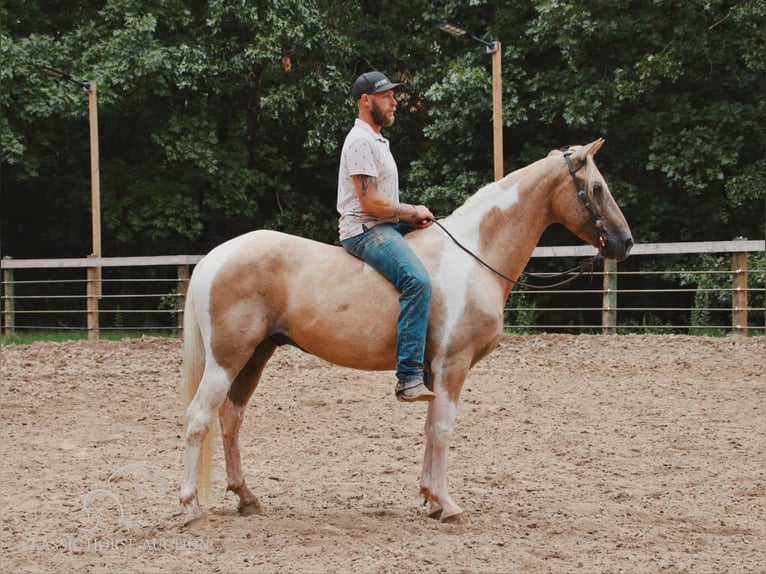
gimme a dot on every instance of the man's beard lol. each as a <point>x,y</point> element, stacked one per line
<point>380,117</point>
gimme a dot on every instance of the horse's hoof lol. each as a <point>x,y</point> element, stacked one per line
<point>193,520</point>
<point>436,513</point>
<point>458,518</point>
<point>250,507</point>
<point>194,514</point>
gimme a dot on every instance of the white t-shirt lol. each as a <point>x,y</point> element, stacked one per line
<point>365,152</point>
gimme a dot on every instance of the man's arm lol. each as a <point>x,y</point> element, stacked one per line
<point>376,205</point>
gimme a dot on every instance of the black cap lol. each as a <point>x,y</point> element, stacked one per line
<point>372,83</point>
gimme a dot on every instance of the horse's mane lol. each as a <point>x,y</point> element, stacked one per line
<point>477,198</point>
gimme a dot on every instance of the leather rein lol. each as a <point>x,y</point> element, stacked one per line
<point>587,265</point>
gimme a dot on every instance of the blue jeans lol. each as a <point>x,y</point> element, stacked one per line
<point>384,249</point>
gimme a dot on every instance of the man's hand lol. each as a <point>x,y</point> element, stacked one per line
<point>423,217</point>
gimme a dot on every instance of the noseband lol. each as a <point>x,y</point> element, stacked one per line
<point>585,197</point>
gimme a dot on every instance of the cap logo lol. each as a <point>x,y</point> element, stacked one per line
<point>380,82</point>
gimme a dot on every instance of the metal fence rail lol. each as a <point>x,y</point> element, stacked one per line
<point>147,293</point>
<point>639,309</point>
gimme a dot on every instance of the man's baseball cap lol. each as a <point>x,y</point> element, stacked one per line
<point>372,83</point>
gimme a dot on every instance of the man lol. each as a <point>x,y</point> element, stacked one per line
<point>370,212</point>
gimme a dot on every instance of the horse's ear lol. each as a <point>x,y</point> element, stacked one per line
<point>595,146</point>
<point>589,149</point>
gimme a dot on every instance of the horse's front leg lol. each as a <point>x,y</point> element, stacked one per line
<point>439,425</point>
<point>230,416</point>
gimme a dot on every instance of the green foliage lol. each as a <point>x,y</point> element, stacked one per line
<point>746,189</point>
<point>30,337</point>
<point>217,117</point>
<point>713,296</point>
<point>520,310</point>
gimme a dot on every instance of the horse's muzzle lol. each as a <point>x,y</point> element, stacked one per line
<point>617,247</point>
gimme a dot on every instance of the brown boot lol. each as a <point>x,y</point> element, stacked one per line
<point>412,391</point>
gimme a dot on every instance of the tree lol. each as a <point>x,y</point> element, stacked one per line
<point>679,97</point>
<point>211,116</point>
<point>220,117</point>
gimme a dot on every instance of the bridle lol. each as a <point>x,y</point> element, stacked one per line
<point>587,265</point>
<point>584,197</point>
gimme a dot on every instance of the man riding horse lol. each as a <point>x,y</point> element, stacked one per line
<point>370,216</point>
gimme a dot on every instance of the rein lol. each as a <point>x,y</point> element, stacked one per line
<point>586,265</point>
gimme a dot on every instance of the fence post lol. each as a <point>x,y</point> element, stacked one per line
<point>609,304</point>
<point>739,294</point>
<point>8,302</point>
<point>93,294</point>
<point>181,289</point>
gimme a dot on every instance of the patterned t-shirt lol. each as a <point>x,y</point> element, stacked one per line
<point>365,152</point>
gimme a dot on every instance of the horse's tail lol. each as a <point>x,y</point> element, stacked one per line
<point>193,368</point>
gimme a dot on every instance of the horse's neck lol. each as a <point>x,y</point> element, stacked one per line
<point>503,221</point>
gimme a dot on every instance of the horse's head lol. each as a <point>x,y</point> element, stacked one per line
<point>584,204</point>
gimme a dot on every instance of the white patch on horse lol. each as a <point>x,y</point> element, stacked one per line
<point>468,217</point>
<point>452,278</point>
<point>456,267</point>
<point>504,198</point>
<point>442,428</point>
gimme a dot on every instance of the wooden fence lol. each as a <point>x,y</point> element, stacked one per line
<point>94,294</point>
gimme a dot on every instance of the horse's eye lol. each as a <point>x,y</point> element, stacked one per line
<point>597,188</point>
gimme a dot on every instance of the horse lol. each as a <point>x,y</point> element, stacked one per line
<point>264,289</point>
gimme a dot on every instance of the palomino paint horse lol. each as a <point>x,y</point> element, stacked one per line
<point>265,289</point>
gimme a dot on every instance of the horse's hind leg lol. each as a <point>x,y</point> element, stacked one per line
<point>231,414</point>
<point>208,398</point>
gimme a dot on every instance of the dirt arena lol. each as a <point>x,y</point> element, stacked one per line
<point>570,454</point>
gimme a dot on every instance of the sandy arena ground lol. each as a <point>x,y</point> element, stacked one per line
<point>570,454</point>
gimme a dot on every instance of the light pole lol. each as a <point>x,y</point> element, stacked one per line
<point>497,90</point>
<point>94,273</point>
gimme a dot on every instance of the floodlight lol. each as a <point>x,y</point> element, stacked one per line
<point>461,33</point>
